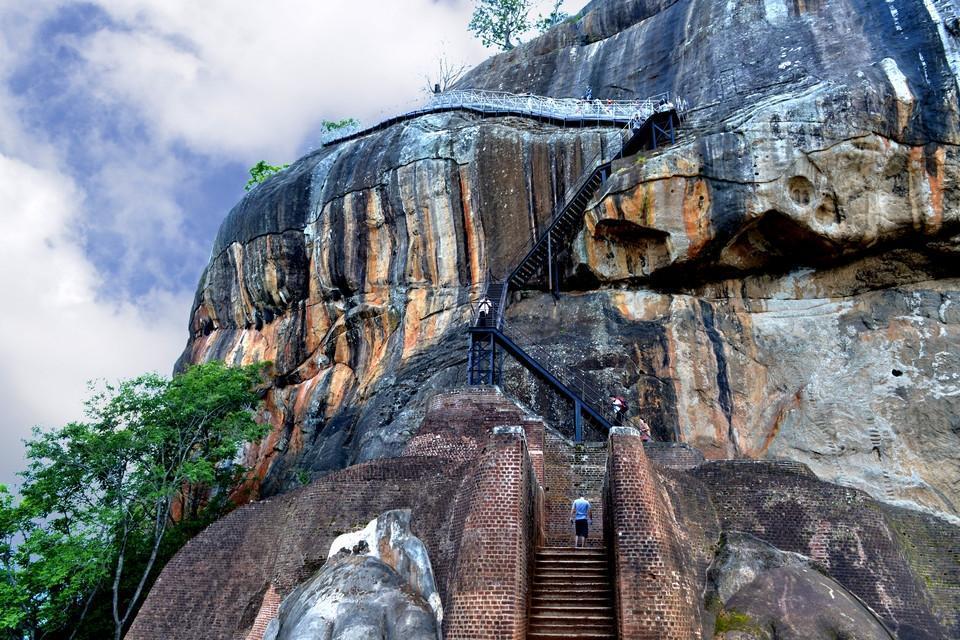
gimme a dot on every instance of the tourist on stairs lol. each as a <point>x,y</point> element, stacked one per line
<point>581,518</point>
<point>485,307</point>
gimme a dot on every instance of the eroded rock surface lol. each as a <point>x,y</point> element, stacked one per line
<point>782,282</point>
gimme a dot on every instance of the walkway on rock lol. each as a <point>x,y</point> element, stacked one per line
<point>569,112</point>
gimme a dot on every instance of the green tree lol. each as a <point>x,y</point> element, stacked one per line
<point>545,23</point>
<point>261,171</point>
<point>106,501</point>
<point>498,22</point>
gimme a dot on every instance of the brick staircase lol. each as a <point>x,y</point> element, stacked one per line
<point>572,595</point>
<point>571,470</point>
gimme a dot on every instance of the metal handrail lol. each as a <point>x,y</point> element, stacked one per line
<point>573,378</point>
<point>494,102</point>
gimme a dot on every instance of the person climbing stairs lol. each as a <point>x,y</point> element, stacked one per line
<point>572,594</point>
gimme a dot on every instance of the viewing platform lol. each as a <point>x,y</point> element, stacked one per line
<point>573,112</point>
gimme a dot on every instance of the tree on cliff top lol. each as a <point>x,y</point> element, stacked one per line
<point>498,22</point>
<point>105,502</point>
<point>545,23</point>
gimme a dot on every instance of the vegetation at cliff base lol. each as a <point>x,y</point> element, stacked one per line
<point>106,501</point>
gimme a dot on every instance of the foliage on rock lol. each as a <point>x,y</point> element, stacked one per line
<point>546,22</point>
<point>261,171</point>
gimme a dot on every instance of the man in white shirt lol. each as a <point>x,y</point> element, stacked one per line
<point>581,517</point>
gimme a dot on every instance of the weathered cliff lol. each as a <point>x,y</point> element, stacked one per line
<point>782,282</point>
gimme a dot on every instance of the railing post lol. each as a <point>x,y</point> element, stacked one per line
<point>577,421</point>
<point>470,361</point>
<point>549,259</point>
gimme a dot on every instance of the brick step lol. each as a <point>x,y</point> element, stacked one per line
<point>573,609</point>
<point>537,634</point>
<point>544,552</point>
<point>563,592</point>
<point>604,623</point>
<point>560,592</point>
<point>593,620</point>
<point>567,561</point>
<point>572,597</point>
<point>573,574</point>
<point>564,614</point>
<point>553,590</point>
<point>606,627</point>
<point>561,598</point>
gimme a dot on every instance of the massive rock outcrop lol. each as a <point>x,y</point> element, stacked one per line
<point>782,282</point>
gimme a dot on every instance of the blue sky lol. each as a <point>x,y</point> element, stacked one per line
<point>126,129</point>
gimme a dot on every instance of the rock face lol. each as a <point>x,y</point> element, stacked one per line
<point>767,593</point>
<point>800,604</point>
<point>351,598</point>
<point>782,282</point>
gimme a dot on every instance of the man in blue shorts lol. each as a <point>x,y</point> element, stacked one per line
<point>581,517</point>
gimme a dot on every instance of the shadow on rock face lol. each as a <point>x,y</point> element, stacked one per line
<point>354,597</point>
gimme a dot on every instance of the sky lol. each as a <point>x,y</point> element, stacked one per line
<point>126,131</point>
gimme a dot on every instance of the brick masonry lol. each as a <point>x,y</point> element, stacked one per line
<point>844,529</point>
<point>477,506</point>
<point>673,455</point>
<point>571,469</point>
<point>657,595</point>
<point>225,582</point>
<point>932,547</point>
<point>491,589</point>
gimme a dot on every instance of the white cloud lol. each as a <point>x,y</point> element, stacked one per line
<point>56,332</point>
<point>254,78</point>
<point>231,81</point>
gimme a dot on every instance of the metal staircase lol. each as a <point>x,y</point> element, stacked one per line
<point>489,341</point>
<point>561,231</point>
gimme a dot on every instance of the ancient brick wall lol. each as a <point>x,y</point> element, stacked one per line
<point>657,594</point>
<point>842,528</point>
<point>227,582</point>
<point>569,470</point>
<point>490,596</point>
<point>932,547</point>
<point>214,587</point>
<point>673,455</point>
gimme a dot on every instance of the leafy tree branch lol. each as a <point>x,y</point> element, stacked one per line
<point>107,501</point>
